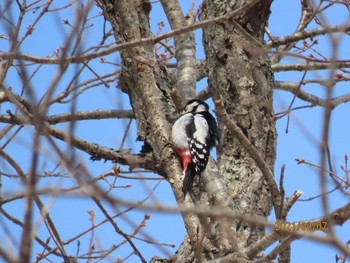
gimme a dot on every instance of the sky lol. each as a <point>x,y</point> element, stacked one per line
<point>70,213</point>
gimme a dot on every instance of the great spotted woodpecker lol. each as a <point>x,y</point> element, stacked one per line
<point>193,134</point>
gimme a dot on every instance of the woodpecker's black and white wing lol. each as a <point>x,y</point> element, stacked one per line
<point>198,143</point>
<point>213,138</point>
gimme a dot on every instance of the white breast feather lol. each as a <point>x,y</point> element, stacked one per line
<point>178,134</point>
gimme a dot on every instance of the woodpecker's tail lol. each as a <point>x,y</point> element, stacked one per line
<point>190,173</point>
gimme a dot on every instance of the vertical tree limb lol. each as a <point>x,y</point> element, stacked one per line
<point>185,50</point>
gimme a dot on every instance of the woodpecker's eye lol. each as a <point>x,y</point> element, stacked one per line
<point>194,108</point>
<point>191,107</point>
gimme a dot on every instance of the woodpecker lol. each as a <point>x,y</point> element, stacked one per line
<point>193,135</point>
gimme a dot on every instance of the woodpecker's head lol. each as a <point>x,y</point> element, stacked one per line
<point>195,106</point>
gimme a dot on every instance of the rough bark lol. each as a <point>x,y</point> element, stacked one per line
<point>239,73</point>
<point>236,72</point>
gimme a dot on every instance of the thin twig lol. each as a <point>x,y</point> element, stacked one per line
<point>117,229</point>
<point>130,44</point>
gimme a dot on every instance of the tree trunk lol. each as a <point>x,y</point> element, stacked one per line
<point>239,73</point>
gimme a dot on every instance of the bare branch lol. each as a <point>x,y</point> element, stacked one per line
<point>307,15</point>
<point>7,255</point>
<point>129,44</point>
<point>185,50</point>
<point>117,229</point>
<point>293,87</point>
<point>96,151</point>
<point>51,227</point>
<point>68,117</point>
<point>311,66</point>
<point>300,35</point>
<point>338,216</point>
